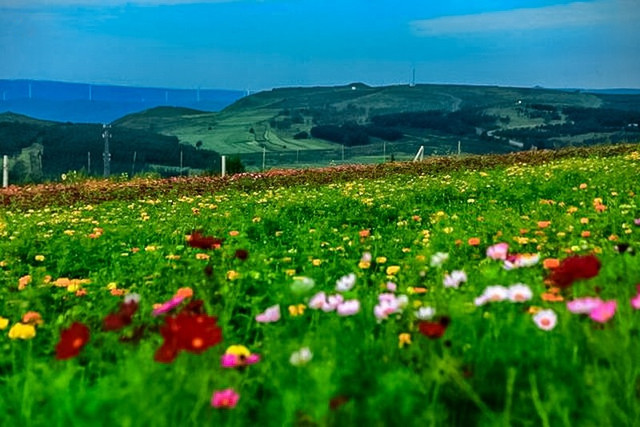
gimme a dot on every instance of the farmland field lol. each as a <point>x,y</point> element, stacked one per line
<point>487,292</point>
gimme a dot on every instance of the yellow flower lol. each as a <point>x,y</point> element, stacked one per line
<point>381,260</point>
<point>297,310</point>
<point>392,269</point>
<point>112,285</point>
<point>316,262</point>
<point>4,322</point>
<point>24,281</point>
<point>39,257</point>
<point>364,264</point>
<point>232,275</point>
<point>404,339</point>
<point>238,350</point>
<point>22,331</point>
<point>448,230</point>
<point>290,272</point>
<point>202,256</point>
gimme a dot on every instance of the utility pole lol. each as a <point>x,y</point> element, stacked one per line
<point>5,171</point>
<point>106,156</point>
<point>88,162</point>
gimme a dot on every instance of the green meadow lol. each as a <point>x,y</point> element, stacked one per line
<point>427,294</point>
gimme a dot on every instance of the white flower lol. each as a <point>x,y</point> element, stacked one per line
<point>301,357</point>
<point>495,293</point>
<point>545,319</point>
<point>438,259</point>
<point>132,297</point>
<point>345,283</point>
<point>454,279</point>
<point>425,313</point>
<point>519,292</point>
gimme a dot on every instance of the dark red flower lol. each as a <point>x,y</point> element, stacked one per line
<point>117,321</point>
<point>337,402</point>
<point>72,340</point>
<point>242,254</point>
<point>434,329</point>
<point>575,268</point>
<point>197,240</point>
<point>194,307</point>
<point>187,331</point>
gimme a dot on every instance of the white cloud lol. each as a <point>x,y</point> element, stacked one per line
<point>578,14</point>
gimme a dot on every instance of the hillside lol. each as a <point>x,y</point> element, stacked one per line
<point>483,117</point>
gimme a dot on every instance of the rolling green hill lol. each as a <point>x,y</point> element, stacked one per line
<point>272,119</point>
<point>356,123</point>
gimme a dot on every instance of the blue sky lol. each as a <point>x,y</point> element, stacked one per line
<point>255,45</point>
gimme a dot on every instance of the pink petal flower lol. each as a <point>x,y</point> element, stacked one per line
<point>318,301</point>
<point>635,302</point>
<point>168,306</point>
<point>348,308</point>
<point>583,305</point>
<point>498,251</point>
<point>229,361</point>
<point>605,311</point>
<point>225,398</point>
<point>271,314</point>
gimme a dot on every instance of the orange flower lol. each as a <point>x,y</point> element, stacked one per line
<point>584,220</point>
<point>600,207</point>
<point>364,233</point>
<point>233,233</point>
<point>551,263</point>
<point>613,238</point>
<point>185,292</point>
<point>523,231</point>
<point>24,281</point>
<point>583,186</point>
<point>544,224</point>
<point>32,317</point>
<point>474,241</point>
<point>416,290</point>
<point>552,295</point>
<point>585,233</point>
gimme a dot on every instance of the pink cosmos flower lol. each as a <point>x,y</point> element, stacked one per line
<point>635,302</point>
<point>333,301</point>
<point>604,311</point>
<point>168,306</point>
<point>227,398</point>
<point>271,314</point>
<point>637,221</point>
<point>498,251</point>
<point>235,361</point>
<point>545,319</point>
<point>389,304</point>
<point>391,287</point>
<point>583,305</point>
<point>348,308</point>
<point>318,301</point>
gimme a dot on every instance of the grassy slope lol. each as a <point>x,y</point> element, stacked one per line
<point>228,131</point>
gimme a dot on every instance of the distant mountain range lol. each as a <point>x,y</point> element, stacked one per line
<point>86,103</point>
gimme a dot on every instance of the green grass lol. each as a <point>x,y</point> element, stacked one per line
<point>492,366</point>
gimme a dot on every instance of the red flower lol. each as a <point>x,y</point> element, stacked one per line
<point>575,268</point>
<point>197,240</point>
<point>434,329</point>
<point>242,254</point>
<point>187,331</point>
<point>71,341</point>
<point>116,321</point>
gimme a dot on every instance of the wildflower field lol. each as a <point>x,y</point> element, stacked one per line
<point>472,292</point>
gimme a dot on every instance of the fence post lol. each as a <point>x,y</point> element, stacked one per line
<point>384,152</point>
<point>180,162</point>
<point>458,147</point>
<point>264,157</point>
<point>224,165</point>
<point>5,171</point>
